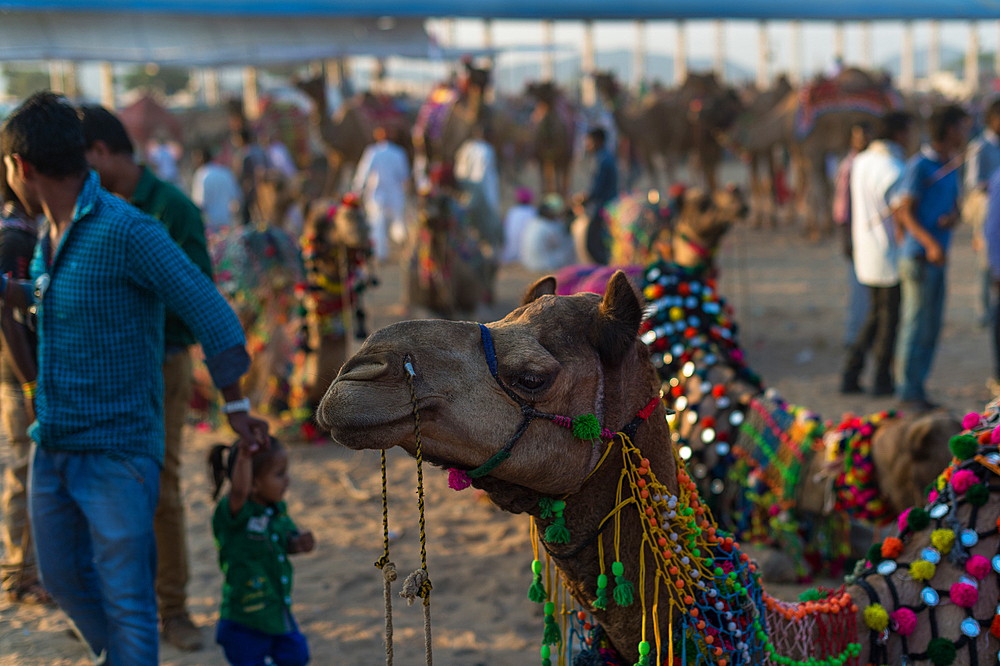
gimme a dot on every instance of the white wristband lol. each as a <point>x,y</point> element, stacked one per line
<point>236,406</point>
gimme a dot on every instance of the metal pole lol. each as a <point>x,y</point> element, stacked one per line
<point>763,79</point>
<point>639,55</point>
<point>972,58</point>
<point>906,70</point>
<point>251,102</point>
<point>680,55</point>
<point>838,40</point>
<point>720,50</point>
<point>548,57</point>
<point>488,38</point>
<point>71,79</point>
<point>56,76</point>
<point>934,52</point>
<point>866,44</point>
<point>210,76</point>
<point>107,85</point>
<point>795,70</point>
<point>588,90</point>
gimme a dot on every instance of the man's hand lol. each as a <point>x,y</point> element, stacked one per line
<point>948,220</point>
<point>252,431</point>
<point>304,542</point>
<point>977,243</point>
<point>934,253</point>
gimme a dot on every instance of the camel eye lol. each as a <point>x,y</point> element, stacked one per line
<point>532,383</point>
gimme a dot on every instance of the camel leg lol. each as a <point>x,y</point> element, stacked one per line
<point>769,191</point>
<point>756,194</point>
<point>334,165</point>
<point>548,177</point>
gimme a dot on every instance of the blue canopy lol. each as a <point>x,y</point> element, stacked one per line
<point>553,9</point>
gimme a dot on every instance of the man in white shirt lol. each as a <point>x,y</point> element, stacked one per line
<point>215,191</point>
<point>477,174</point>
<point>874,175</point>
<point>381,181</point>
<point>514,223</point>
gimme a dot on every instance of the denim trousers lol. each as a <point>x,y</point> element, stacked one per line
<point>245,646</point>
<point>92,520</point>
<point>858,305</point>
<point>921,313</point>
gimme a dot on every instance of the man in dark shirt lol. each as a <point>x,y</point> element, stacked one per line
<point>603,189</point>
<point>18,569</point>
<point>110,153</point>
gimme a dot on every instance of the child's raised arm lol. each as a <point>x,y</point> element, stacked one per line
<point>242,477</point>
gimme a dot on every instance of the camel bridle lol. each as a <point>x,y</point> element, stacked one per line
<point>583,427</point>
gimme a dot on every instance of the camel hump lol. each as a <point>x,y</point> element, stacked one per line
<point>854,80</point>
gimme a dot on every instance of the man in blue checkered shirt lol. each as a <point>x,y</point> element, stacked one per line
<point>103,272</point>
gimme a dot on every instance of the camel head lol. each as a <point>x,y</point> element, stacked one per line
<point>562,355</point>
<point>314,89</point>
<point>704,218</point>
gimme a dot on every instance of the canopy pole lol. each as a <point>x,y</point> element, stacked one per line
<point>972,59</point>
<point>795,69</point>
<point>639,55</point>
<point>548,58</point>
<point>488,39</point>
<point>838,40</point>
<point>680,55</point>
<point>56,76</point>
<point>762,74</point>
<point>720,49</point>
<point>866,44</point>
<point>210,81</point>
<point>251,102</point>
<point>107,85</point>
<point>906,70</point>
<point>588,89</point>
<point>934,52</point>
<point>71,79</point>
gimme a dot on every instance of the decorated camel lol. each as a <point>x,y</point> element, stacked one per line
<point>687,122</point>
<point>775,474</point>
<point>621,517</point>
<point>346,134</point>
<point>554,131</point>
<point>812,123</point>
<point>452,269</point>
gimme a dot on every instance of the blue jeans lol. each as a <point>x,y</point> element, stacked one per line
<point>921,312</point>
<point>92,522</point>
<point>248,647</point>
<point>858,305</point>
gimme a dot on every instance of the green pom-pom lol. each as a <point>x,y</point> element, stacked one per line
<point>551,636</point>
<point>536,592</point>
<point>812,594</point>
<point>623,591</point>
<point>941,652</point>
<point>586,427</point>
<point>963,446</point>
<point>546,651</point>
<point>874,553</point>
<point>917,519</point>
<point>618,569</point>
<point>602,581</point>
<point>545,504</point>
<point>546,662</point>
<point>644,648</point>
<point>557,532</point>
<point>978,495</point>
<point>536,567</point>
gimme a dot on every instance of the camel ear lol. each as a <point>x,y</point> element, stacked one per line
<point>544,287</point>
<point>618,319</point>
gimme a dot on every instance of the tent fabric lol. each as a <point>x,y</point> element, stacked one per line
<point>555,9</point>
<point>179,39</point>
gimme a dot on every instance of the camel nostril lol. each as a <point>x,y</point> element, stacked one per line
<point>367,367</point>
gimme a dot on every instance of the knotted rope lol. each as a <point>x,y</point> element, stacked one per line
<point>387,567</point>
<point>418,583</point>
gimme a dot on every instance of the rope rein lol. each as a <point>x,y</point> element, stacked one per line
<point>417,584</point>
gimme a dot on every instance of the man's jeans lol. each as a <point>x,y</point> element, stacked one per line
<point>92,519</point>
<point>923,294</point>
<point>858,305</point>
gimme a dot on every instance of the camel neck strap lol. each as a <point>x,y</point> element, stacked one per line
<point>584,427</point>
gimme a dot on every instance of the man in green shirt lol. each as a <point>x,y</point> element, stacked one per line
<point>111,154</point>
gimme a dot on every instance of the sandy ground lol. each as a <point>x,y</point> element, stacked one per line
<point>789,297</point>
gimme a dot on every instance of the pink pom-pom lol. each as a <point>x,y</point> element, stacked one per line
<point>977,566</point>
<point>964,595</point>
<point>963,479</point>
<point>774,510</point>
<point>902,519</point>
<point>904,620</point>
<point>995,436</point>
<point>458,479</point>
<point>970,420</point>
<point>932,496</point>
